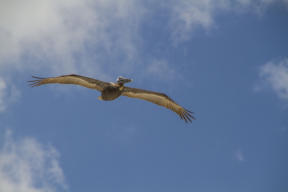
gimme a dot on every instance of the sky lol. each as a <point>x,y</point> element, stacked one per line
<point>225,60</point>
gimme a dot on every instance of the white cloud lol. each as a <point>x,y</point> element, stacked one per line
<point>28,166</point>
<point>91,36</point>
<point>2,94</point>
<point>276,75</point>
<point>56,35</point>
<point>188,15</point>
<point>8,94</point>
<point>161,69</point>
<point>88,36</point>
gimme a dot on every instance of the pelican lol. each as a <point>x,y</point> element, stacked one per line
<point>110,91</point>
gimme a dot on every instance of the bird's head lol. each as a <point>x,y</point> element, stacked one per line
<point>123,80</point>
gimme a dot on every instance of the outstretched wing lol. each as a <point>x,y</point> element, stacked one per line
<point>159,99</point>
<point>70,79</point>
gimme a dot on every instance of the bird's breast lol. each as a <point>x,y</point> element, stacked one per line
<point>110,93</point>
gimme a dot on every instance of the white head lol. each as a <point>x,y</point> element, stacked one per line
<point>123,80</point>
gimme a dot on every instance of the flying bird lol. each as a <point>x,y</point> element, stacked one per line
<point>110,91</point>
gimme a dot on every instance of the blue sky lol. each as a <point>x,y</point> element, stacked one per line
<point>225,60</point>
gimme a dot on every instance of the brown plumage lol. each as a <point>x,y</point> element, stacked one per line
<point>111,91</point>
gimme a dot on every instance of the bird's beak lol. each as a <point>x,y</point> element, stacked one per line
<point>128,80</point>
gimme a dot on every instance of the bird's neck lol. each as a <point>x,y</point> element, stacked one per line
<point>119,85</point>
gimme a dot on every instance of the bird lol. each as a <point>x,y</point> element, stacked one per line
<point>110,91</point>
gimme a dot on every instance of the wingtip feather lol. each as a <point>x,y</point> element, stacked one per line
<point>37,81</point>
<point>187,116</point>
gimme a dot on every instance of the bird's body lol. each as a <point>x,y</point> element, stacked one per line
<point>111,91</point>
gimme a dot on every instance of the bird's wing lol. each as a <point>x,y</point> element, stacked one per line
<point>159,99</point>
<point>70,79</point>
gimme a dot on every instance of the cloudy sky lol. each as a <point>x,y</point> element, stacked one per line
<point>226,60</point>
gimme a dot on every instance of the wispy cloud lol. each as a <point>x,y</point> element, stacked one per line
<point>90,36</point>
<point>59,35</point>
<point>239,155</point>
<point>188,15</point>
<point>160,68</point>
<point>28,166</point>
<point>275,74</point>
<point>2,95</point>
<point>8,94</point>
